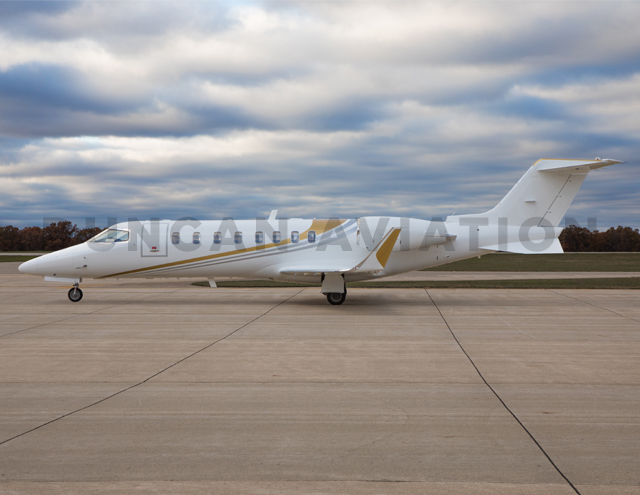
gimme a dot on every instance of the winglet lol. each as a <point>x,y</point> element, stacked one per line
<point>382,253</point>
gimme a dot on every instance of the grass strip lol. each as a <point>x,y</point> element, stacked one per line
<point>578,283</point>
<point>10,258</point>
<point>567,262</point>
<point>255,283</point>
<point>575,283</point>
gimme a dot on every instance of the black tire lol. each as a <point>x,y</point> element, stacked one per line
<point>75,294</point>
<point>336,298</point>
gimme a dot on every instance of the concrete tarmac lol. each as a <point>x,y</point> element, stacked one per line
<point>178,389</point>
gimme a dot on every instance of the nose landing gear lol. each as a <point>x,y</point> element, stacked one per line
<point>75,294</point>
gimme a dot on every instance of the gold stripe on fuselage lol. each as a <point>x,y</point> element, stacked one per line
<point>319,226</point>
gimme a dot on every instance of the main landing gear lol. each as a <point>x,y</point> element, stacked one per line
<point>337,298</point>
<point>75,294</point>
<point>333,282</point>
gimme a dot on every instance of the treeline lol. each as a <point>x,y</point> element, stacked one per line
<point>64,234</point>
<point>50,238</point>
<point>619,239</point>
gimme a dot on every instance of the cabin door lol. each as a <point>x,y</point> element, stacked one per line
<point>154,239</point>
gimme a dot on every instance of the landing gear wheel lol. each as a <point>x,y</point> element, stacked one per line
<point>336,298</point>
<point>75,294</point>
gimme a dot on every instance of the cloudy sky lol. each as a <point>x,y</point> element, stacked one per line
<point>320,109</point>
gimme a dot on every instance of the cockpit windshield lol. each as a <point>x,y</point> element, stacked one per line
<point>111,235</point>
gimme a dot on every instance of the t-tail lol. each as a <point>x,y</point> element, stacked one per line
<point>527,219</point>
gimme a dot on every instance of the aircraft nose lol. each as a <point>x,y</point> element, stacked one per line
<point>30,267</point>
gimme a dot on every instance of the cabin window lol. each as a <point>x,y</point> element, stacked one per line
<point>276,237</point>
<point>259,237</point>
<point>237,237</point>
<point>217,237</point>
<point>112,235</point>
<point>295,236</point>
<point>197,237</point>
<point>175,238</point>
<point>311,236</point>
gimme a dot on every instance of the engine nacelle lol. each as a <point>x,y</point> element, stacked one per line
<point>414,233</point>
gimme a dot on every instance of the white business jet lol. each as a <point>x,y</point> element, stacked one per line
<point>330,252</point>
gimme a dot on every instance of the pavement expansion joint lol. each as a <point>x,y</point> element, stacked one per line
<point>500,398</point>
<point>593,305</point>
<point>223,338</point>
<point>75,316</point>
<point>43,325</point>
<point>150,377</point>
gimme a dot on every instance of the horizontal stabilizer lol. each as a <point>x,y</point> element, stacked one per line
<point>576,166</point>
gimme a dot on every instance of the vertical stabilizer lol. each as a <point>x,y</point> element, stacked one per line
<point>527,219</point>
<point>544,192</point>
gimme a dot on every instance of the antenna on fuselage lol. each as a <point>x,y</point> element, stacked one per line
<point>272,215</point>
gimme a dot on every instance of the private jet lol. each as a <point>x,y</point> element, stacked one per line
<point>330,252</point>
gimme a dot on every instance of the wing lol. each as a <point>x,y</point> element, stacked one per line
<point>373,262</point>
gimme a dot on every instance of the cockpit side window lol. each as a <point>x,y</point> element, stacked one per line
<point>111,235</point>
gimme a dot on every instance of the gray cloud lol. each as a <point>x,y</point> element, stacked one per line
<point>38,86</point>
<point>11,12</point>
<point>211,109</point>
<point>121,26</point>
